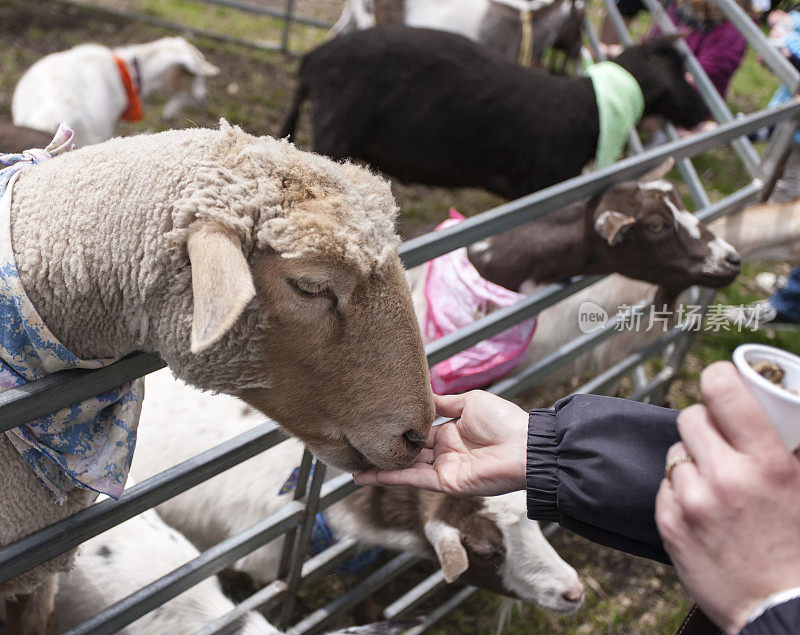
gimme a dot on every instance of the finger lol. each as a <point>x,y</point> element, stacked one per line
<point>450,405</point>
<point>734,411</point>
<point>683,474</point>
<point>668,518</point>
<point>425,456</point>
<point>420,476</point>
<point>374,477</point>
<point>701,438</point>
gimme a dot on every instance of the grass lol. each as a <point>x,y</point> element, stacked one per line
<point>624,594</point>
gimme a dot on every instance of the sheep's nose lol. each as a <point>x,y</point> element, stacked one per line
<point>414,439</point>
<point>734,259</point>
<point>574,595</point>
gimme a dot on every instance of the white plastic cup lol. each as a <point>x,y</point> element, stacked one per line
<point>781,406</point>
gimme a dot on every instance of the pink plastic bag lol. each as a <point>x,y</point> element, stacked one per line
<point>457,296</point>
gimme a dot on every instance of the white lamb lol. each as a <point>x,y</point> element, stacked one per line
<point>85,86</point>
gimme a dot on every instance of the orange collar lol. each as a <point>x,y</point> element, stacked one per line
<point>134,110</point>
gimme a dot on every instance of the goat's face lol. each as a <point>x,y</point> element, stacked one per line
<point>659,70</point>
<point>491,543</point>
<point>344,361</point>
<point>647,234</point>
<point>181,70</point>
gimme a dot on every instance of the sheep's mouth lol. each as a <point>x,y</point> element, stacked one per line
<point>360,463</point>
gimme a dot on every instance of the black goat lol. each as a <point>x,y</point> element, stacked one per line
<point>436,108</point>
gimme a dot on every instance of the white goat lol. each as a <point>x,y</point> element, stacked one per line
<point>506,552</point>
<point>84,85</point>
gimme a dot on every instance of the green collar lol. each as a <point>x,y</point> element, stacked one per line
<point>620,104</point>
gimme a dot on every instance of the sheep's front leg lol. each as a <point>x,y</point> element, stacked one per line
<point>33,613</point>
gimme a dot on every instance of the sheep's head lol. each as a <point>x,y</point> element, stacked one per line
<point>658,68</point>
<point>301,306</point>
<point>643,231</point>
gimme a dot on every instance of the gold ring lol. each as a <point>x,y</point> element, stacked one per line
<point>675,461</point>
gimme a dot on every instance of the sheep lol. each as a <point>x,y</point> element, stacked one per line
<point>92,86</point>
<point>435,108</point>
<point>759,233</point>
<point>484,541</point>
<point>111,566</point>
<point>499,25</point>
<point>17,138</point>
<point>251,267</point>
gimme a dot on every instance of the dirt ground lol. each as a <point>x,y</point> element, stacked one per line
<point>624,594</point>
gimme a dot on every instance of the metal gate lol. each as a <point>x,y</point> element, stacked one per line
<point>38,398</point>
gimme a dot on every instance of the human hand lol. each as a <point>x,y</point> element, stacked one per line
<point>729,519</point>
<point>777,17</point>
<point>481,452</point>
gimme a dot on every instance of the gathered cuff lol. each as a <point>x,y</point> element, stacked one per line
<point>542,466</point>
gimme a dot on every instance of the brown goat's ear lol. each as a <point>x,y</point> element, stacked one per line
<point>612,225</point>
<point>222,285</point>
<point>446,542</point>
<point>658,172</point>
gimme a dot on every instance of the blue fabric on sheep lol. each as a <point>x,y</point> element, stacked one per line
<point>88,445</point>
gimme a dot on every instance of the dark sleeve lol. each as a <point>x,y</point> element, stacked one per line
<point>782,619</point>
<point>721,54</point>
<point>594,467</point>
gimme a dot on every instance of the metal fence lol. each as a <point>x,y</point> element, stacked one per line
<point>56,391</point>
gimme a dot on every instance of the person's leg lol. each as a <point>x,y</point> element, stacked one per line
<point>786,301</point>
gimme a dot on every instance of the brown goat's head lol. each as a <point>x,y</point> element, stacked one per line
<point>643,231</point>
<point>301,306</point>
<point>491,543</point>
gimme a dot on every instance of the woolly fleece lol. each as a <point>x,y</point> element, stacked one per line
<point>99,236</point>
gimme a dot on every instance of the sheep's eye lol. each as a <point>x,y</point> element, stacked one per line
<point>655,226</point>
<point>308,288</point>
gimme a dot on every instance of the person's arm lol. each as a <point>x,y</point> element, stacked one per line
<point>594,466</point>
<point>779,616</point>
<point>721,54</point>
<point>593,463</point>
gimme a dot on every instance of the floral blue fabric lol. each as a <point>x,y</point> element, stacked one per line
<point>88,445</point>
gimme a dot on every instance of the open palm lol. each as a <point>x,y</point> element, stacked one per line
<point>480,452</point>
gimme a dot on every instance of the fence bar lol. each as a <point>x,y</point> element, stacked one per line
<point>179,26</point>
<point>509,215</point>
<point>287,26</point>
<point>407,602</point>
<point>302,543</point>
<point>259,9</point>
<point>313,569</point>
<point>442,610</point>
<point>61,390</point>
<point>776,62</point>
<point>660,381</point>
<point>42,545</point>
<point>322,618</point>
<point>502,319</point>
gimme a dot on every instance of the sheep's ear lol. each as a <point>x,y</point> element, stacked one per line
<point>660,172</point>
<point>446,542</point>
<point>612,226</point>
<point>222,285</point>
